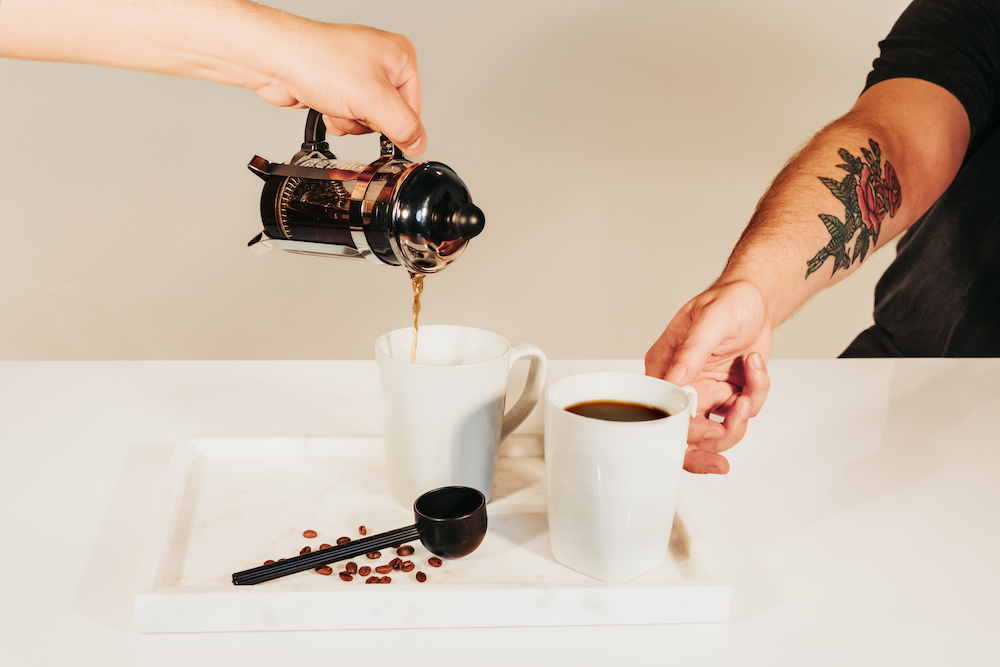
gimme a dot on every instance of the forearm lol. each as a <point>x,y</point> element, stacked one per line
<point>856,185</point>
<point>217,40</point>
<point>804,237</point>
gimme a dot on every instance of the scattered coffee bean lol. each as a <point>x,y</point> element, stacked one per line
<point>352,568</point>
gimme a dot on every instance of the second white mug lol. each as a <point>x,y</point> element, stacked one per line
<point>444,413</point>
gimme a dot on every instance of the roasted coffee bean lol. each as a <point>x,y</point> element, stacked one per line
<point>325,570</point>
<point>364,570</point>
<point>343,540</point>
<point>372,580</point>
<point>373,555</point>
<point>325,546</point>
<point>421,577</point>
<point>434,561</point>
<point>280,559</point>
<point>351,568</point>
<point>362,530</point>
<point>384,569</point>
<point>268,562</point>
<point>346,576</point>
<point>405,550</point>
<point>385,580</point>
<point>396,562</point>
<point>407,566</point>
<point>305,550</point>
<point>309,533</point>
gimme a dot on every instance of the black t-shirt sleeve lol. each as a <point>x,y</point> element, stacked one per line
<point>952,43</point>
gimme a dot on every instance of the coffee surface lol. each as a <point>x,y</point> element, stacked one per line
<point>617,411</point>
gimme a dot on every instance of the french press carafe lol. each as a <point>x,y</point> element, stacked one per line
<point>418,215</point>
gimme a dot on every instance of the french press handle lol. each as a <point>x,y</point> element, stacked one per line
<point>315,137</point>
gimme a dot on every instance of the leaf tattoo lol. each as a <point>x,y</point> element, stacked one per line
<point>868,192</point>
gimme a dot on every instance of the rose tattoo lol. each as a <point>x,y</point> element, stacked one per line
<point>871,199</point>
<point>868,194</point>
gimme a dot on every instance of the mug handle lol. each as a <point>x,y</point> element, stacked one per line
<point>532,387</point>
<point>692,399</point>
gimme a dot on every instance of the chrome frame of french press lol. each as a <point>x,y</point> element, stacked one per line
<point>373,204</point>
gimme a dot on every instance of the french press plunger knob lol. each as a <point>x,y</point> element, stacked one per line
<point>418,215</point>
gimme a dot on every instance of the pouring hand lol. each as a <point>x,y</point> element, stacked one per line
<point>361,79</point>
<point>719,343</point>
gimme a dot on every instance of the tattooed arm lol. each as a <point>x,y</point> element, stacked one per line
<point>857,184</point>
<point>360,78</point>
<point>860,182</point>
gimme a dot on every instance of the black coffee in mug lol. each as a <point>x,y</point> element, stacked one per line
<point>617,411</point>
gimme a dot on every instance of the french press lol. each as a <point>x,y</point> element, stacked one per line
<point>392,211</point>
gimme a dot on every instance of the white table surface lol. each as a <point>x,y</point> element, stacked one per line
<point>858,525</point>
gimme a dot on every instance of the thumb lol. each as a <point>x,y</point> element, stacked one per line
<point>398,121</point>
<point>694,351</point>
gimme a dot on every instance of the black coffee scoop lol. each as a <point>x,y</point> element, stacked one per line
<point>450,522</point>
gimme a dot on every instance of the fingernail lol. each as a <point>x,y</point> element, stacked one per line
<point>715,433</point>
<point>676,374</point>
<point>757,361</point>
<point>416,148</point>
<point>744,410</point>
<point>713,470</point>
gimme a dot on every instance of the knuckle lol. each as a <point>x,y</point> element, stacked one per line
<point>405,45</point>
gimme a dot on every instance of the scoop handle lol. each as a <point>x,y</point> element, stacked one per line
<point>315,559</point>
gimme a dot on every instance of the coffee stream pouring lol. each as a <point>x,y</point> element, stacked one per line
<point>393,211</point>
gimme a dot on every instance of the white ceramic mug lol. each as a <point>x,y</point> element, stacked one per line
<point>612,485</point>
<point>444,414</point>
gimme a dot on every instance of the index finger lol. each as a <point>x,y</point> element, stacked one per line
<point>735,425</point>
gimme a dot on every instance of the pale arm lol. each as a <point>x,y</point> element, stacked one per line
<point>360,78</point>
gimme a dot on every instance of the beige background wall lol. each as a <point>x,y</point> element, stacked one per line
<point>617,148</point>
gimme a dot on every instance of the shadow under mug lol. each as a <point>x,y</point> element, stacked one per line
<point>444,415</point>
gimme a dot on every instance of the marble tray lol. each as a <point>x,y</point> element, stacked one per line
<point>234,502</point>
